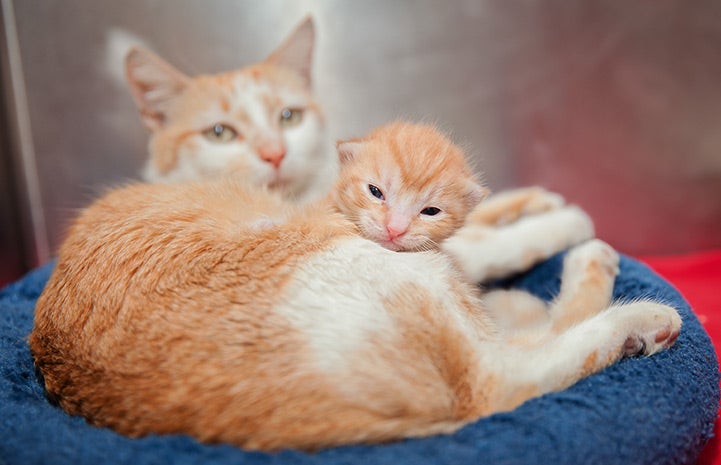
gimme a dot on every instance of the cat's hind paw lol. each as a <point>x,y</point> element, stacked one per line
<point>594,259</point>
<point>655,327</point>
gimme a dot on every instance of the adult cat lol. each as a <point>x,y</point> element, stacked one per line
<point>221,311</point>
<point>261,123</point>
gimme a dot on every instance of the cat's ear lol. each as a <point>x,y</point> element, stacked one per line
<point>154,84</point>
<point>475,192</point>
<point>296,52</point>
<point>348,150</point>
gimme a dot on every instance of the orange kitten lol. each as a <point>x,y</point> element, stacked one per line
<point>217,310</point>
<point>406,186</point>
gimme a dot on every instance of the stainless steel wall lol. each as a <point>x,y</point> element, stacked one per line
<point>615,104</point>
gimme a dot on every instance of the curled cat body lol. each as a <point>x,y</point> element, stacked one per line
<point>218,310</point>
<point>260,123</point>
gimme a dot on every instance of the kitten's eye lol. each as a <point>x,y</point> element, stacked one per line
<point>375,192</point>
<point>220,133</point>
<point>291,116</point>
<point>430,211</point>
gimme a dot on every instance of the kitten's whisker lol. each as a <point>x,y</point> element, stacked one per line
<point>428,245</point>
<point>430,241</point>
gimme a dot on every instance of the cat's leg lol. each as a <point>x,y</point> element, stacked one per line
<point>507,206</point>
<point>522,371</point>
<point>589,273</point>
<point>485,252</point>
<point>582,335</point>
<point>514,310</point>
<point>511,231</point>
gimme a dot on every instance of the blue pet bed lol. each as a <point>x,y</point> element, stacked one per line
<point>656,410</point>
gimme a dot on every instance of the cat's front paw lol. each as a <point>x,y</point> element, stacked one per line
<point>540,200</point>
<point>654,327</point>
<point>508,206</point>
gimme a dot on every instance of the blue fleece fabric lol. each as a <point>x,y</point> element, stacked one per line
<point>656,410</point>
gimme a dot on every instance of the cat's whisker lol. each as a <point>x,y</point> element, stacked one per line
<point>427,245</point>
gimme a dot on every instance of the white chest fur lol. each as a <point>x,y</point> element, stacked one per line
<point>338,297</point>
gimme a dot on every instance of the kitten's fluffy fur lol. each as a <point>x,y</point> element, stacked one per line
<point>406,186</point>
<point>222,312</point>
<point>260,123</point>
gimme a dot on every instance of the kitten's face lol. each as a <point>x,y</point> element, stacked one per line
<point>405,186</point>
<point>260,124</point>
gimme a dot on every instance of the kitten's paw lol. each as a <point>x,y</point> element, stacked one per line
<point>654,327</point>
<point>592,258</point>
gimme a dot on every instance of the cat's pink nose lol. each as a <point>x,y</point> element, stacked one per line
<point>394,232</point>
<point>273,155</point>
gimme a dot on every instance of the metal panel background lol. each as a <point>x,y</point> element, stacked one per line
<point>615,104</point>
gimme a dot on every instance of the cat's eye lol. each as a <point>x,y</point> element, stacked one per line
<point>375,192</point>
<point>430,211</point>
<point>291,116</point>
<point>220,133</point>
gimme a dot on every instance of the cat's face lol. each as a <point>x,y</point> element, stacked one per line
<point>405,186</point>
<point>260,123</point>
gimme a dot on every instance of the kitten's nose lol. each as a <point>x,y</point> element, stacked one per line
<point>395,232</point>
<point>272,154</point>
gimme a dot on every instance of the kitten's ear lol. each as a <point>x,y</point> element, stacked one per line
<point>475,192</point>
<point>296,52</point>
<point>154,84</point>
<point>348,150</point>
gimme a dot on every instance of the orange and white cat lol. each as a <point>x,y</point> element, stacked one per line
<point>221,311</point>
<point>260,123</point>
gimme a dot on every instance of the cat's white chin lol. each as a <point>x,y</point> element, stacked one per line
<point>390,245</point>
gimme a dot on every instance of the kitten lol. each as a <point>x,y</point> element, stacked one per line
<point>405,186</point>
<point>221,311</point>
<point>260,123</point>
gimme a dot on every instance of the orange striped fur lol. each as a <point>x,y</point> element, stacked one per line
<point>414,167</point>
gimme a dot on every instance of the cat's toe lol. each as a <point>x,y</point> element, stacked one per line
<point>593,256</point>
<point>542,200</point>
